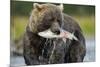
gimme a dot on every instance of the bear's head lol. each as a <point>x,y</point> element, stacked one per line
<point>46,16</point>
<point>46,20</point>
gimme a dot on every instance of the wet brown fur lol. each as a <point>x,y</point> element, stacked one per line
<point>42,19</point>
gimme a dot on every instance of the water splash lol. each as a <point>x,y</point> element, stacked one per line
<point>45,44</point>
<point>52,52</point>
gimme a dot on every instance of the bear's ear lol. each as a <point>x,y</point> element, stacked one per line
<point>61,7</point>
<point>37,6</point>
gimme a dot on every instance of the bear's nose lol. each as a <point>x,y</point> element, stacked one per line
<point>56,31</point>
<point>55,28</point>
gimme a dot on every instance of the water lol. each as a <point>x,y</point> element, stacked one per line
<point>17,61</point>
<point>90,50</point>
<point>90,54</point>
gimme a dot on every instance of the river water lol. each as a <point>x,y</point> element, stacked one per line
<point>90,54</point>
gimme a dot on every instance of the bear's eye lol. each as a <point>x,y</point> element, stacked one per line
<point>58,20</point>
<point>51,19</point>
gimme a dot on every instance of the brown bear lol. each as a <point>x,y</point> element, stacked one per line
<point>52,37</point>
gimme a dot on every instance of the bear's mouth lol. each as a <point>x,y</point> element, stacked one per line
<point>63,34</point>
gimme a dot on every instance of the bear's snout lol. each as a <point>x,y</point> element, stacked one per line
<point>55,28</point>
